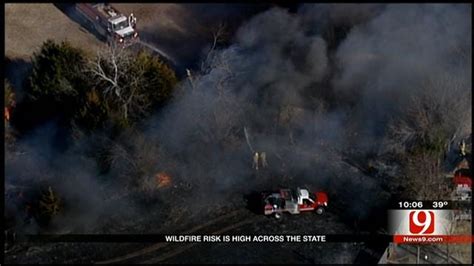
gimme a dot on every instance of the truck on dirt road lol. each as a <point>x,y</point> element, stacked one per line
<point>109,23</point>
<point>294,201</point>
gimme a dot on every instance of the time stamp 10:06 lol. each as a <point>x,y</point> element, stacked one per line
<point>439,204</point>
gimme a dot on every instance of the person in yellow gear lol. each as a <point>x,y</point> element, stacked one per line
<point>50,204</point>
<point>255,161</point>
<point>462,148</point>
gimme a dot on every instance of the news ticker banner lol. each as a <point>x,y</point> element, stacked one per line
<point>211,238</point>
<point>283,238</point>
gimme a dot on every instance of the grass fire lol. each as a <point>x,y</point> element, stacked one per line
<point>163,180</point>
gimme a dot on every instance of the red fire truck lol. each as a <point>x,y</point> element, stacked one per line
<point>294,201</point>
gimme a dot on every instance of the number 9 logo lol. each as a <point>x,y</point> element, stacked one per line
<point>421,222</point>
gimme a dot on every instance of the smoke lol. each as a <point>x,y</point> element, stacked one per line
<point>303,102</point>
<point>320,17</point>
<point>248,85</point>
<point>38,162</point>
<point>386,60</point>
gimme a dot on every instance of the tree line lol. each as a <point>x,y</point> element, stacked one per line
<point>115,88</point>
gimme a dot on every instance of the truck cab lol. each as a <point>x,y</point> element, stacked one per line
<point>122,31</point>
<point>294,201</point>
<point>311,201</point>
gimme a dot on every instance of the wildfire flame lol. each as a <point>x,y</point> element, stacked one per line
<point>163,179</point>
<point>7,114</point>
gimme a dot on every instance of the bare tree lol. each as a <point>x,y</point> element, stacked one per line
<point>220,117</point>
<point>120,79</point>
<point>219,34</point>
<point>423,177</point>
<point>436,114</point>
<point>441,108</point>
<point>134,160</point>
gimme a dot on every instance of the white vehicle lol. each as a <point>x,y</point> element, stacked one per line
<point>110,23</point>
<point>294,201</point>
<point>463,184</point>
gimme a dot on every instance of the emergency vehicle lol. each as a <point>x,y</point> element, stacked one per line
<point>463,185</point>
<point>109,23</point>
<point>294,201</point>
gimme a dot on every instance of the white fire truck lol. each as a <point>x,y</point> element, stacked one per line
<point>115,27</point>
<point>294,201</point>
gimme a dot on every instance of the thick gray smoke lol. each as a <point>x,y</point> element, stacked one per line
<point>320,17</point>
<point>303,103</point>
<point>387,61</point>
<point>38,162</point>
<point>256,82</point>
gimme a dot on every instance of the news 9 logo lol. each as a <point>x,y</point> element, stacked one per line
<point>421,222</point>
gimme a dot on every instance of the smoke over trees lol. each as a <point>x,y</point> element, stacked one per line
<point>280,79</point>
<point>66,110</point>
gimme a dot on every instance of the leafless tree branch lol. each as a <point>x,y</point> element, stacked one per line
<point>113,69</point>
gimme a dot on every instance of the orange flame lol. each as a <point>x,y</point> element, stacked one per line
<point>7,114</point>
<point>163,179</point>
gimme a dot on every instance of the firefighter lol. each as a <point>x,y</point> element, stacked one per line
<point>132,20</point>
<point>263,158</point>
<point>462,148</point>
<point>255,161</point>
<point>50,203</point>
